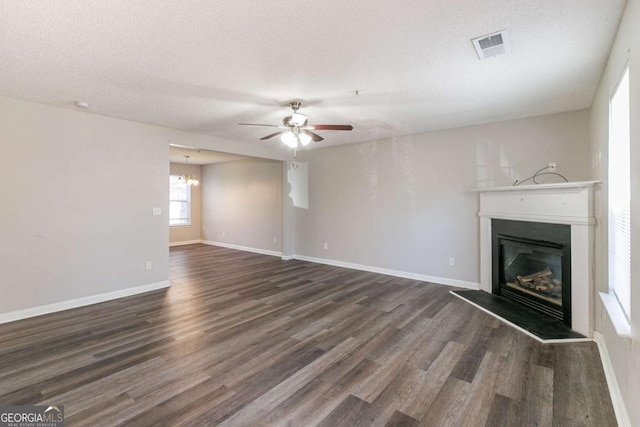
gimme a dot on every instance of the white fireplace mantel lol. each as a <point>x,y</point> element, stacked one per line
<point>569,203</point>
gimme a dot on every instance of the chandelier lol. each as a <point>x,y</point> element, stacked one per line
<point>189,179</point>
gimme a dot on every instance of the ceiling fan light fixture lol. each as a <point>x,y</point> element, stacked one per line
<point>297,129</point>
<point>304,139</point>
<point>289,139</point>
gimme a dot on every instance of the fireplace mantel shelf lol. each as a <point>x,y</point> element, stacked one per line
<point>556,186</point>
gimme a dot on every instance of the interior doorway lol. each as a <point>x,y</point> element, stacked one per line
<point>237,202</point>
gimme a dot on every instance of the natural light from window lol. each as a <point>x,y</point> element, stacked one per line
<point>179,201</point>
<point>620,196</point>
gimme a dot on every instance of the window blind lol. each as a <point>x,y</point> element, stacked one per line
<point>620,195</point>
<point>621,246</point>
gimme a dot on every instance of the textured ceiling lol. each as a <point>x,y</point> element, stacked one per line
<point>204,66</point>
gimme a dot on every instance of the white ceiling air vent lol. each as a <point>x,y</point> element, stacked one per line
<point>492,45</point>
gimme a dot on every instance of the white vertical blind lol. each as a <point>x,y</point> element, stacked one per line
<point>620,195</point>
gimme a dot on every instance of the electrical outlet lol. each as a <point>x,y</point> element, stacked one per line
<point>148,265</point>
<point>452,261</point>
<point>224,233</point>
<point>326,245</point>
<point>275,240</point>
<point>157,211</point>
<point>552,166</point>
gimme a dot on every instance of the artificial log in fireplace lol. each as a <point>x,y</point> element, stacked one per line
<point>531,264</point>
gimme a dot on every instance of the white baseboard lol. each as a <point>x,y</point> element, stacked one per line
<point>242,248</point>
<point>372,269</point>
<point>622,416</point>
<point>389,272</point>
<point>80,302</point>
<point>184,243</point>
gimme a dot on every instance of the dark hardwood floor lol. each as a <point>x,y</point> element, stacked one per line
<point>246,340</point>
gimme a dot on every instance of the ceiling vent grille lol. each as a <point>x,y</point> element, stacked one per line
<point>492,45</point>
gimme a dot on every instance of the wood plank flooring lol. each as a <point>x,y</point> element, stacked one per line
<point>246,340</point>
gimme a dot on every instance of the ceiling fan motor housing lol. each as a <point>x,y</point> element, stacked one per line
<point>295,120</point>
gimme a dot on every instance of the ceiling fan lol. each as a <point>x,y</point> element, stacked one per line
<point>297,130</point>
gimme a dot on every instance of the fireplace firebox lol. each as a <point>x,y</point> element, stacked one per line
<point>532,265</point>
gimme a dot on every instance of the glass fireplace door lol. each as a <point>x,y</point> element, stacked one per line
<point>532,272</point>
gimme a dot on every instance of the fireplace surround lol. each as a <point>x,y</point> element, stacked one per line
<point>566,204</point>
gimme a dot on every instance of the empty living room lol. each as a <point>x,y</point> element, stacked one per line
<point>297,213</point>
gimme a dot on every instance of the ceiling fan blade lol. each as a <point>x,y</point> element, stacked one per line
<point>331,127</point>
<point>314,136</point>
<point>257,124</point>
<point>272,135</point>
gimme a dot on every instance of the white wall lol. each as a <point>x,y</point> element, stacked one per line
<point>242,203</point>
<point>77,197</point>
<point>405,205</point>
<point>625,354</point>
<point>188,233</point>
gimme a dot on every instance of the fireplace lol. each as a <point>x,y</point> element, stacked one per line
<point>570,207</point>
<point>531,263</point>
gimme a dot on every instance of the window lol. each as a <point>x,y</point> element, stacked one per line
<point>620,195</point>
<point>179,201</point>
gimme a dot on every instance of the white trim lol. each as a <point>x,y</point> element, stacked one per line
<point>538,217</point>
<point>242,248</point>
<point>389,272</point>
<point>622,416</point>
<point>335,263</point>
<point>185,242</point>
<point>616,314</point>
<point>80,302</point>
<point>524,331</point>
<point>554,186</point>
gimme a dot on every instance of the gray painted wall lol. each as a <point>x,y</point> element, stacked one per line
<point>242,203</point>
<point>186,233</point>
<point>405,204</point>
<point>77,200</point>
<point>625,354</point>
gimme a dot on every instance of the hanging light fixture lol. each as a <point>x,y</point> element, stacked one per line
<point>289,139</point>
<point>304,139</point>
<point>294,138</point>
<point>189,179</point>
